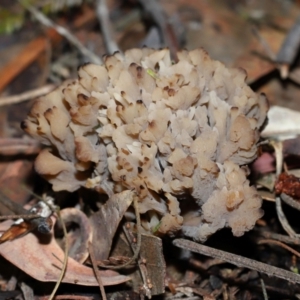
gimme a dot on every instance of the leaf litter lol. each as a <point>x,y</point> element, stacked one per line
<point>41,256</point>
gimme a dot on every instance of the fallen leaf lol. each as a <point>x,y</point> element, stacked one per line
<point>106,221</point>
<point>36,256</point>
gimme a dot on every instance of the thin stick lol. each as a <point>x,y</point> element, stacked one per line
<point>27,95</point>
<point>106,27</point>
<point>238,260</point>
<point>62,31</point>
<point>280,244</point>
<point>139,239</point>
<point>96,271</point>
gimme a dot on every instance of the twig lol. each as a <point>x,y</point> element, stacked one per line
<point>138,242</point>
<point>290,201</point>
<point>280,244</point>
<point>106,27</point>
<point>96,271</point>
<point>62,31</point>
<point>27,95</point>
<point>237,260</point>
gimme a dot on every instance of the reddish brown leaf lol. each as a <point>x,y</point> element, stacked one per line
<point>36,256</point>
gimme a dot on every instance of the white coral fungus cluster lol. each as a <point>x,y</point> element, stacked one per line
<point>175,132</point>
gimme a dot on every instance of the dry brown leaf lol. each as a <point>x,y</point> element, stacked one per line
<point>35,255</point>
<point>106,221</point>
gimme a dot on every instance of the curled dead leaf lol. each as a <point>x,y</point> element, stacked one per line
<point>106,221</point>
<point>79,238</point>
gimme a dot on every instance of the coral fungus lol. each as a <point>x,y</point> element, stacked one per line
<point>178,133</point>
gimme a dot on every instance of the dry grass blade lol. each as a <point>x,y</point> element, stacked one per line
<point>238,260</point>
